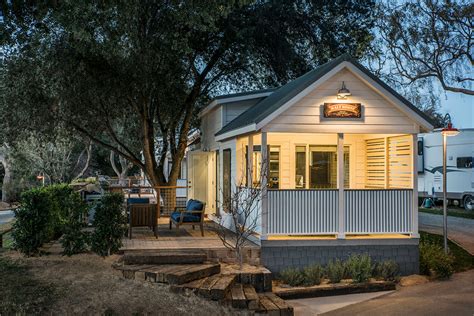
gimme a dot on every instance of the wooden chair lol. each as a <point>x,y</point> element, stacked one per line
<point>143,215</point>
<point>183,216</point>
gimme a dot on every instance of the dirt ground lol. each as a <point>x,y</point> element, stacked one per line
<point>86,284</point>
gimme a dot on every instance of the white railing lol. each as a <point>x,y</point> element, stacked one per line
<point>302,212</point>
<point>315,212</point>
<point>378,211</point>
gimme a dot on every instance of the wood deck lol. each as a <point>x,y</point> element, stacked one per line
<point>186,239</point>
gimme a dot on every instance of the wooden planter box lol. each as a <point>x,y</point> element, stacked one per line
<point>343,288</point>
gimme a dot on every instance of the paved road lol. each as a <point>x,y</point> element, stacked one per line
<point>6,216</point>
<point>460,230</point>
<point>453,297</point>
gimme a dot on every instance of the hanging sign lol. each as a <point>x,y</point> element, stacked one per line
<point>342,110</point>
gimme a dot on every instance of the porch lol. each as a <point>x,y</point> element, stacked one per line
<point>307,191</point>
<point>186,239</point>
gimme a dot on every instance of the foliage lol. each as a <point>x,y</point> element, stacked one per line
<point>33,224</point>
<point>110,225</point>
<point>335,271</point>
<point>292,277</point>
<point>434,262</point>
<point>75,239</point>
<point>359,268</point>
<point>45,214</point>
<point>463,260</point>
<point>313,274</point>
<point>429,40</point>
<point>388,270</point>
<point>59,157</point>
<point>119,68</point>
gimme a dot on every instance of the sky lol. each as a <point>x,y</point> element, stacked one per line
<point>460,107</point>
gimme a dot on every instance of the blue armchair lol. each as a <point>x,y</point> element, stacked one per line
<point>192,214</point>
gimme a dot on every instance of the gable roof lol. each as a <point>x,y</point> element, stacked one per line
<point>281,96</point>
<point>236,97</point>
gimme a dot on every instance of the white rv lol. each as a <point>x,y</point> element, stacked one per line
<point>460,167</point>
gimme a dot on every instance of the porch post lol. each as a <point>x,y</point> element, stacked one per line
<point>250,161</point>
<point>414,228</point>
<point>340,185</point>
<point>264,181</point>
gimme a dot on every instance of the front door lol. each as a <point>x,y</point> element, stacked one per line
<point>198,175</point>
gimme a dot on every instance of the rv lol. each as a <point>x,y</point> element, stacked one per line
<point>459,167</point>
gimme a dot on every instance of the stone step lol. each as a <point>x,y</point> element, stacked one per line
<point>272,305</point>
<point>214,287</point>
<point>169,273</point>
<point>243,296</point>
<point>164,257</point>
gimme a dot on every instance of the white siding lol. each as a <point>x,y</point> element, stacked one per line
<point>211,123</point>
<point>379,115</point>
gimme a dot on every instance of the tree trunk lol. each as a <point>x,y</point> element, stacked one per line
<point>7,178</point>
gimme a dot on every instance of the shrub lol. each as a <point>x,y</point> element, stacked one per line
<point>313,274</point>
<point>45,214</point>
<point>335,271</point>
<point>434,262</point>
<point>292,277</point>
<point>388,270</point>
<point>74,239</point>
<point>32,226</point>
<point>360,268</point>
<point>110,225</point>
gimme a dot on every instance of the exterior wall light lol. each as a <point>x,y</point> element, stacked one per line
<point>343,93</point>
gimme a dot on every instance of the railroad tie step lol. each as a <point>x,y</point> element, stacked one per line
<point>193,272</point>
<point>214,287</point>
<point>164,257</point>
<point>243,296</point>
<point>272,305</point>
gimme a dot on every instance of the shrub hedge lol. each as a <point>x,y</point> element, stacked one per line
<point>358,267</point>
<point>110,225</point>
<point>44,215</point>
<point>434,262</point>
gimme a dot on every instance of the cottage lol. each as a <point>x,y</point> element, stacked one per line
<point>340,147</point>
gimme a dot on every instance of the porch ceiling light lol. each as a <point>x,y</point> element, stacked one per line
<point>343,93</point>
<point>449,130</point>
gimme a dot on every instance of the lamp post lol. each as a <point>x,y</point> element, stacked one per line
<point>449,130</point>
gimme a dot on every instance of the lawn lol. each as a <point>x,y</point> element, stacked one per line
<point>7,238</point>
<point>86,284</point>
<point>463,260</point>
<point>455,212</point>
<point>20,292</point>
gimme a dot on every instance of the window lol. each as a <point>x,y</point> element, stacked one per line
<point>273,165</point>
<point>323,167</point>
<point>227,178</point>
<point>464,162</point>
<point>300,167</point>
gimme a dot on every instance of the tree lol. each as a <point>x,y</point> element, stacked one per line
<point>430,40</point>
<point>152,65</point>
<point>7,172</point>
<point>60,159</point>
<point>242,211</point>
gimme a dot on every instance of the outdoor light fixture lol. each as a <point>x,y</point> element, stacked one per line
<point>449,130</point>
<point>343,93</point>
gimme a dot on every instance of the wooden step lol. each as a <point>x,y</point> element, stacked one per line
<point>164,257</point>
<point>214,287</point>
<point>272,305</point>
<point>243,296</point>
<point>169,273</point>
